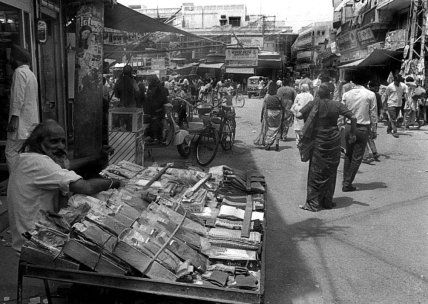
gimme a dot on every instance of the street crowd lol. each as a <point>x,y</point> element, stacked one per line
<point>328,119</point>
<point>333,118</point>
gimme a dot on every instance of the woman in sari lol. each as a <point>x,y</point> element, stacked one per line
<point>272,113</point>
<point>325,157</point>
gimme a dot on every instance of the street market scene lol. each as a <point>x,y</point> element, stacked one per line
<point>213,152</point>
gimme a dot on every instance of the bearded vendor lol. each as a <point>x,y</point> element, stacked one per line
<point>39,177</point>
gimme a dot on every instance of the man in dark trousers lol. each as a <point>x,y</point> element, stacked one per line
<point>362,103</point>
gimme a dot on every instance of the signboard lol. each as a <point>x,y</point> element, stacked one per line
<point>240,57</point>
<point>372,47</point>
<point>365,36</point>
<point>347,41</point>
<point>249,71</point>
<point>395,39</point>
<point>249,41</point>
<point>354,55</point>
<point>158,63</point>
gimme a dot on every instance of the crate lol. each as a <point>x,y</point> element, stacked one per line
<point>127,146</point>
<point>125,119</point>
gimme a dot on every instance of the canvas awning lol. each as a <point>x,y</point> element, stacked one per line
<point>378,57</point>
<point>122,18</point>
<point>211,65</point>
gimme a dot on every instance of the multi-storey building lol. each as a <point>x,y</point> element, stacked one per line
<point>312,40</point>
<point>371,36</point>
<point>225,26</point>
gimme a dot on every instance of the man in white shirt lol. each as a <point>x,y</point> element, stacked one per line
<point>24,109</point>
<point>38,178</point>
<point>395,93</point>
<point>301,100</point>
<point>362,103</point>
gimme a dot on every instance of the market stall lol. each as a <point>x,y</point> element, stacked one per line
<point>179,232</point>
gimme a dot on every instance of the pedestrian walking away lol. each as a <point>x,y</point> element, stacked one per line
<point>24,109</point>
<point>371,145</point>
<point>326,151</point>
<point>287,94</point>
<point>302,99</point>
<point>362,103</point>
<point>271,118</point>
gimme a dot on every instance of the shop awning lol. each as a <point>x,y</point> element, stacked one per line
<point>211,65</point>
<point>249,71</point>
<point>378,57</point>
<point>122,18</point>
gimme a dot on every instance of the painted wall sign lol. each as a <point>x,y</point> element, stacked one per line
<point>241,57</point>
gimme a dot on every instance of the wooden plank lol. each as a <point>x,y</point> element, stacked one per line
<point>199,184</point>
<point>144,285</point>
<point>158,175</point>
<point>245,232</point>
<point>34,255</point>
<point>143,263</point>
<point>92,258</point>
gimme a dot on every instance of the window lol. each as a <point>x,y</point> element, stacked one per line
<point>235,21</point>
<point>223,21</point>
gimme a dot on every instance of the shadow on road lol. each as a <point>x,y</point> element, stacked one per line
<point>370,186</point>
<point>345,201</point>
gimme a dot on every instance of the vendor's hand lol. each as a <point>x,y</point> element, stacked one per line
<point>352,138</point>
<point>115,183</point>
<point>13,124</point>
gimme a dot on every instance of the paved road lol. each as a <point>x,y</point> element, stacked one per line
<point>372,248</point>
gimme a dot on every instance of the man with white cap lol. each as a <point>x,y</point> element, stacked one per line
<point>24,109</point>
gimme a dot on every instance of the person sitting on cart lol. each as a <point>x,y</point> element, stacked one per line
<point>39,177</point>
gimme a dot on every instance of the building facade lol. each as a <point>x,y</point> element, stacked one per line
<point>371,36</point>
<point>311,41</point>
<point>224,27</point>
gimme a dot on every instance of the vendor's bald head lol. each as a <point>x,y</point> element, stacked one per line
<point>47,138</point>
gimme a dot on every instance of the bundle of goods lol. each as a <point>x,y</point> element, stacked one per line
<point>164,223</point>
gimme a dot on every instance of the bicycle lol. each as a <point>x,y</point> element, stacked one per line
<point>211,136</point>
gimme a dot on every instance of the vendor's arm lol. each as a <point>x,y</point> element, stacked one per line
<point>92,186</point>
<point>49,175</point>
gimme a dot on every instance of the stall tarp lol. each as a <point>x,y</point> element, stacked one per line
<point>378,57</point>
<point>211,65</point>
<point>122,18</point>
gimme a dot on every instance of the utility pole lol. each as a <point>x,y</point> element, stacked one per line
<point>418,9</point>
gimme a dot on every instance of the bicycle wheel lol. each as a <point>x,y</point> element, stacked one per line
<point>239,100</point>
<point>207,146</point>
<point>227,136</point>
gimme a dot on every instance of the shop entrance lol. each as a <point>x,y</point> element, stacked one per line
<point>14,29</point>
<point>51,77</point>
